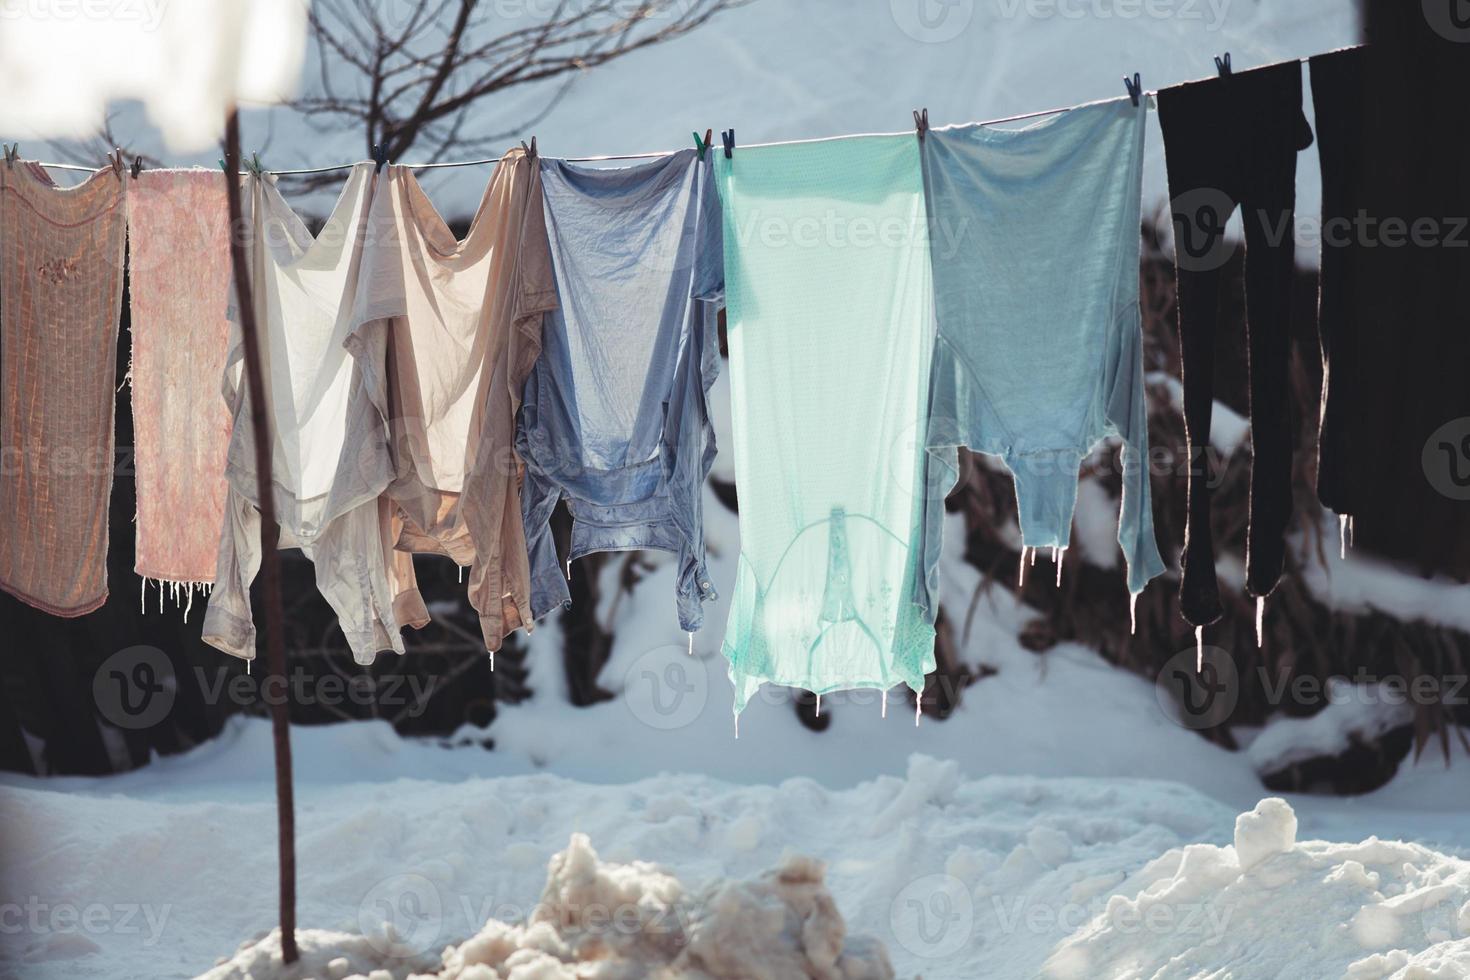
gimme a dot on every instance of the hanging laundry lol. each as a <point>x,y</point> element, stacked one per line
<point>330,448</point>
<point>1029,366</point>
<point>61,284</point>
<point>830,329</point>
<point>615,417</point>
<point>179,271</point>
<point>447,331</point>
<point>1232,141</point>
<point>1338,104</point>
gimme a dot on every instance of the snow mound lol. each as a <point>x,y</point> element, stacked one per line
<point>630,920</point>
<point>1273,906</point>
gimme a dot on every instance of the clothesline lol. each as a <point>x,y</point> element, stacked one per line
<point>1149,93</point>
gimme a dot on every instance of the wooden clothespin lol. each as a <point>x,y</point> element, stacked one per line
<point>921,122</point>
<point>12,153</point>
<point>1134,87</point>
<point>115,158</point>
<point>530,150</point>
<point>702,145</point>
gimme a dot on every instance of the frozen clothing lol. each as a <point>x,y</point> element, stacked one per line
<point>1034,235</point>
<point>1233,141</point>
<point>615,417</point>
<point>1338,103</point>
<point>329,442</point>
<point>179,265</point>
<point>61,284</point>
<point>446,332</point>
<point>830,329</point>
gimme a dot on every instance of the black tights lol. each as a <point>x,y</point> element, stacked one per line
<point>1233,141</point>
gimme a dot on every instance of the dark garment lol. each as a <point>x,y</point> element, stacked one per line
<point>1411,294</point>
<point>1337,100</point>
<point>1230,142</point>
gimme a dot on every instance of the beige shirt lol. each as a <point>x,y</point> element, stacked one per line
<point>446,333</point>
<point>61,277</point>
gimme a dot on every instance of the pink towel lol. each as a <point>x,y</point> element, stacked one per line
<point>179,263</point>
<point>61,273</point>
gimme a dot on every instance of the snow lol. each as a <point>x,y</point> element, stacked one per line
<point>1354,713</point>
<point>629,920</point>
<point>1273,906</point>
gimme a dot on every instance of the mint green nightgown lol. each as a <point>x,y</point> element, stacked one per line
<point>829,309</point>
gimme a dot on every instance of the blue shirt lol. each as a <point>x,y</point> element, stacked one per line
<point>614,417</point>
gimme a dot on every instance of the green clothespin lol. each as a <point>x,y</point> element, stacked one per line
<point>703,144</point>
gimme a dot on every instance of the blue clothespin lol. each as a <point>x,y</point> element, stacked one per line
<point>380,156</point>
<point>1222,64</point>
<point>1134,87</point>
<point>728,138</point>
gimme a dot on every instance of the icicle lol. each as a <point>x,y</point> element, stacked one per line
<point>160,597</point>
<point>247,665</point>
<point>1133,614</point>
<point>1260,620</point>
<point>1342,523</point>
<point>1352,530</point>
<point>1057,557</point>
<point>189,602</point>
<point>492,661</point>
<point>569,569</point>
<point>918,709</point>
<point>143,598</point>
<point>737,728</point>
<point>1022,583</point>
<point>819,706</point>
<point>885,705</point>
<point>1033,557</point>
<point>1199,644</point>
<point>691,644</point>
<point>461,573</point>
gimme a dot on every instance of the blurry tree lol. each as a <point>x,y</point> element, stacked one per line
<point>414,74</point>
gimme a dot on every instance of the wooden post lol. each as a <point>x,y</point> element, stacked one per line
<point>270,559</point>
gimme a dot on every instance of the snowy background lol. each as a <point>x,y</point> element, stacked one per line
<point>1065,821</point>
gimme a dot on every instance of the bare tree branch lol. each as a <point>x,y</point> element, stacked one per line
<point>414,74</point>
